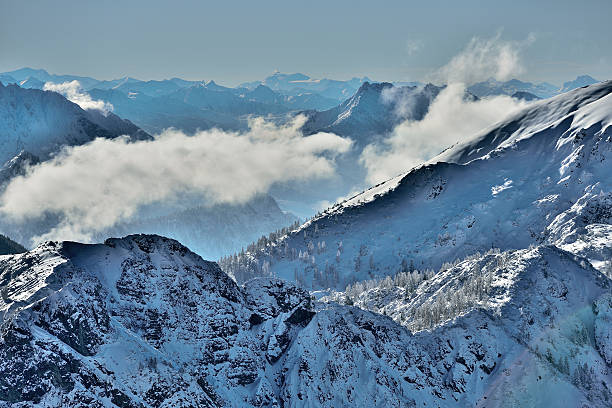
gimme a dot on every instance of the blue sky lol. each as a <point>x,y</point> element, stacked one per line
<point>236,41</point>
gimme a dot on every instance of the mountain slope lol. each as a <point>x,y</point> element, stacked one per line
<point>541,176</point>
<point>41,122</point>
<point>143,322</point>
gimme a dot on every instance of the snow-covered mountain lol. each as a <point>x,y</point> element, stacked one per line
<point>540,177</point>
<point>204,105</point>
<point>374,110</point>
<point>7,79</point>
<point>114,83</point>
<point>35,124</point>
<point>143,322</point>
<point>41,122</point>
<point>481,278</point>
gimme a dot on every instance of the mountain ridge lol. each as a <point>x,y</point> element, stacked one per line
<point>103,324</point>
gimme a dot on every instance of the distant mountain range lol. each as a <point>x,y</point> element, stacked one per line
<point>190,105</point>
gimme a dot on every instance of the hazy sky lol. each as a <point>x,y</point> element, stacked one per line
<point>235,41</point>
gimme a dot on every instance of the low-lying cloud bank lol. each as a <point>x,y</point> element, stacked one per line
<point>95,186</point>
<point>73,92</point>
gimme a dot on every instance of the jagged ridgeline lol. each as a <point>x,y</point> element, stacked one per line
<point>143,322</point>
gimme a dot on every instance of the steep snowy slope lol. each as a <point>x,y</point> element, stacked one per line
<point>143,322</point>
<point>42,122</point>
<point>542,176</point>
<point>536,320</point>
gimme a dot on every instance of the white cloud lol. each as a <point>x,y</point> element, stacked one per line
<point>94,186</point>
<point>450,118</point>
<point>73,92</point>
<point>482,59</point>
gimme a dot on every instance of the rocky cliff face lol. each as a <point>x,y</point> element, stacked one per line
<point>143,322</point>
